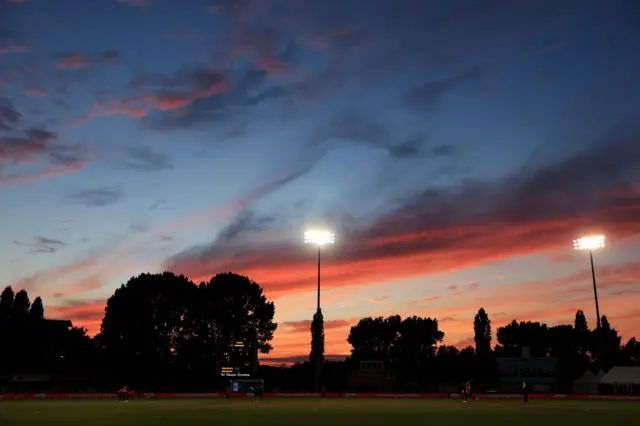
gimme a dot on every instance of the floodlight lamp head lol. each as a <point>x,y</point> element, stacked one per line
<point>589,243</point>
<point>319,238</point>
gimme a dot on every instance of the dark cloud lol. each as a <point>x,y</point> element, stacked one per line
<point>43,245</point>
<point>8,117</point>
<point>10,43</point>
<point>248,89</point>
<point>156,204</point>
<point>146,159</point>
<point>97,197</point>
<point>475,222</point>
<point>139,227</point>
<point>77,61</point>
<point>67,155</point>
<point>368,131</point>
<point>22,144</point>
<point>247,222</point>
<point>26,148</point>
<point>429,95</point>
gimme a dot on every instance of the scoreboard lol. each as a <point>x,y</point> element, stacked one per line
<point>236,359</point>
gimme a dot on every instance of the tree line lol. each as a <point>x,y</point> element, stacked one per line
<point>162,331</point>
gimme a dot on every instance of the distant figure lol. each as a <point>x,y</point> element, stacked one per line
<point>227,392</point>
<point>465,395</point>
<point>323,391</point>
<point>524,392</point>
<point>123,394</point>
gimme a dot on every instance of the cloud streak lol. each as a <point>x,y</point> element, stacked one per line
<point>439,230</point>
<point>97,197</point>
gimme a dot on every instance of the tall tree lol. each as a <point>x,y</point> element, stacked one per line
<point>37,309</point>
<point>581,333</point>
<point>372,338</point>
<point>238,309</point>
<point>408,345</point>
<point>6,302</point>
<point>145,319</point>
<point>631,352</point>
<point>482,333</point>
<point>316,357</point>
<point>610,343</point>
<point>317,338</point>
<point>21,305</point>
<point>514,336</point>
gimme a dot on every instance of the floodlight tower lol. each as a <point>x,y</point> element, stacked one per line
<point>591,243</point>
<point>319,239</point>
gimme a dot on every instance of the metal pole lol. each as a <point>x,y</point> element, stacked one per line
<point>317,360</point>
<point>318,278</point>
<point>595,289</point>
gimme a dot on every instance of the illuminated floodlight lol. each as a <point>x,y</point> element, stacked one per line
<point>589,243</point>
<point>319,238</point>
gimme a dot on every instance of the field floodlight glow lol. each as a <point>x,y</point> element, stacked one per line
<point>319,238</point>
<point>589,243</point>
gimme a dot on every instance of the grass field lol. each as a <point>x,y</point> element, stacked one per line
<point>316,412</point>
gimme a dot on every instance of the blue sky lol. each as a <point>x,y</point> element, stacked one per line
<point>445,141</point>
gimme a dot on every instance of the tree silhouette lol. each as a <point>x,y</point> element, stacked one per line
<point>145,319</point>
<point>241,310</point>
<point>373,338</point>
<point>37,309</point>
<point>6,302</point>
<point>610,343</point>
<point>581,333</point>
<point>482,333</point>
<point>316,357</point>
<point>407,345</point>
<point>630,353</point>
<point>514,336</point>
<point>21,305</point>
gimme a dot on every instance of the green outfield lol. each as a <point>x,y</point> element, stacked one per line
<point>316,412</point>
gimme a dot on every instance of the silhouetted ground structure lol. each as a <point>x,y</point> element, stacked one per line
<point>621,381</point>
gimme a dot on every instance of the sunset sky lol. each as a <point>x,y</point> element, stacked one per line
<point>456,147</point>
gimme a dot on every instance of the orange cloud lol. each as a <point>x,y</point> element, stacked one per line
<point>47,173</point>
<point>305,325</point>
<point>14,48</point>
<point>35,92</point>
<point>78,61</point>
<point>73,61</point>
<point>370,259</point>
<point>545,301</point>
<point>85,313</point>
<point>187,88</point>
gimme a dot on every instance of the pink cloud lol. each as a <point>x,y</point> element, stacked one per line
<point>14,48</point>
<point>35,92</point>
<point>73,61</point>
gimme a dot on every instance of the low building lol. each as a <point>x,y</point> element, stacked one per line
<point>621,381</point>
<point>539,373</point>
<point>587,384</point>
<point>372,377</point>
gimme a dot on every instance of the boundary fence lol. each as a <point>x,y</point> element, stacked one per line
<point>22,396</point>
